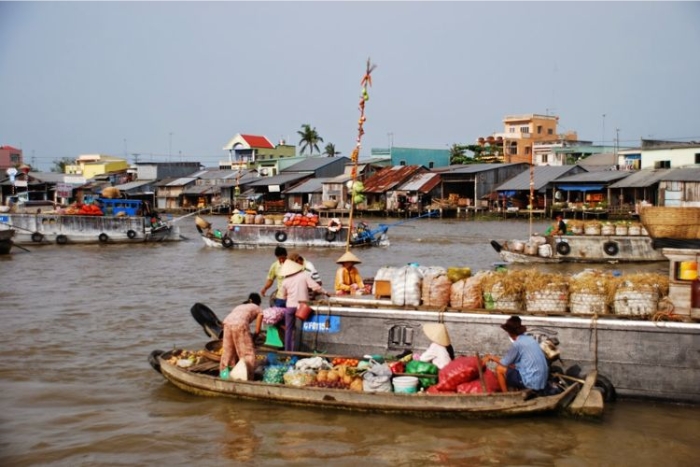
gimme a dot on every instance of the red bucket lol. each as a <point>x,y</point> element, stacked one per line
<point>303,311</point>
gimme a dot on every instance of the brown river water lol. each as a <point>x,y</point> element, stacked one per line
<point>78,323</point>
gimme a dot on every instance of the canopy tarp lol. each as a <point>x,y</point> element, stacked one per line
<point>582,187</point>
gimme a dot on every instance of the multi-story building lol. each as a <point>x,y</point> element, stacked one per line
<point>10,157</point>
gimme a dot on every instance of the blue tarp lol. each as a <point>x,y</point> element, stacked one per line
<point>581,187</point>
<point>507,193</point>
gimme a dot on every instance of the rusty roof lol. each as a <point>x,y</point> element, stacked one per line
<point>390,177</point>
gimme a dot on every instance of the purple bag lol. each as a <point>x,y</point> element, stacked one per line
<point>273,315</point>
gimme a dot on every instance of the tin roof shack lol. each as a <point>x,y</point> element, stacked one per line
<point>543,177</point>
<point>473,181</point>
<point>170,191</point>
<point>379,187</point>
<point>308,193</point>
<point>335,193</point>
<point>589,192</point>
<point>680,187</point>
<point>271,189</point>
<point>416,194</point>
<point>630,191</point>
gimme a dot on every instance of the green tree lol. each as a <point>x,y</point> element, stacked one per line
<point>458,156</point>
<point>309,139</point>
<point>330,150</point>
<point>59,165</point>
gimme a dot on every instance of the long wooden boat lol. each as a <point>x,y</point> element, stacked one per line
<point>643,358</point>
<point>581,249</point>
<point>455,405</point>
<point>61,229</point>
<point>254,235</point>
<point>6,241</point>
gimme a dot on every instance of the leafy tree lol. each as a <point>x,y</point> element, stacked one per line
<point>330,150</point>
<point>457,155</point>
<point>59,165</point>
<point>309,139</point>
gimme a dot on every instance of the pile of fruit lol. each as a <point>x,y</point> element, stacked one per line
<point>84,210</point>
<point>300,220</point>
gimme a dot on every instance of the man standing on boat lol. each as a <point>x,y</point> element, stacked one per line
<point>559,227</point>
<point>274,273</point>
<point>524,366</point>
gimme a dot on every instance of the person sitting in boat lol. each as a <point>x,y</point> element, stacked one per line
<point>524,366</point>
<point>440,351</point>
<point>347,277</point>
<point>295,290</point>
<point>237,342</point>
<point>559,227</point>
<point>274,273</point>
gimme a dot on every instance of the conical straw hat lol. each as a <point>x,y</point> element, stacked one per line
<point>348,258</point>
<point>437,332</point>
<point>289,268</point>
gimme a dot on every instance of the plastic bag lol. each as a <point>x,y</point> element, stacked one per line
<point>458,371</point>
<point>274,374</point>
<point>377,378</point>
<point>474,387</point>
<point>426,368</point>
<point>273,315</point>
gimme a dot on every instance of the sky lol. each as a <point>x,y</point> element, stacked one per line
<point>175,81</point>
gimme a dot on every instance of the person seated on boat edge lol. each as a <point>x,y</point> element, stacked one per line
<point>440,351</point>
<point>295,289</point>
<point>274,273</point>
<point>347,278</point>
<point>559,227</point>
<point>237,342</point>
<point>524,366</point>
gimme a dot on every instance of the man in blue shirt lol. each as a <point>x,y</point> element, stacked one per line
<point>524,366</point>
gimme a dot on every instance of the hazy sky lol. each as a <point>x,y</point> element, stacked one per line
<point>177,80</point>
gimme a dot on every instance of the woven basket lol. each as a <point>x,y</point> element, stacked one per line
<point>671,222</point>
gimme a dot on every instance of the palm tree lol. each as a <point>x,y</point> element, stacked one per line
<point>309,139</point>
<point>330,150</point>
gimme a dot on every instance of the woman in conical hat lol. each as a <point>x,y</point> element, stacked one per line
<point>440,351</point>
<point>347,277</point>
<point>295,289</point>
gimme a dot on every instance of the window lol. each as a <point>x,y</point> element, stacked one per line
<point>697,157</point>
<point>539,129</point>
<point>544,158</point>
<point>550,131</point>
<point>513,148</point>
<point>527,150</point>
<point>525,129</point>
<point>431,164</point>
<point>511,129</point>
<point>402,162</point>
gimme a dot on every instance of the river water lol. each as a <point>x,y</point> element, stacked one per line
<point>80,321</point>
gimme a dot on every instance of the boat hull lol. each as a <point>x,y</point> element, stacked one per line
<point>253,235</point>
<point>48,229</point>
<point>588,249</point>
<point>6,241</point>
<point>647,359</point>
<point>463,405</point>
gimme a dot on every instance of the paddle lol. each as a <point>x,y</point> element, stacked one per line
<point>208,320</point>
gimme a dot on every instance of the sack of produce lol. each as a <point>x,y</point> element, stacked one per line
<point>458,274</point>
<point>458,371</point>
<point>466,294</point>
<point>377,378</point>
<point>436,289</point>
<point>406,286</point>
<point>273,315</point>
<point>299,378</point>
<point>474,387</point>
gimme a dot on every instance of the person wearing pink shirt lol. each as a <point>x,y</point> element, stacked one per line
<point>295,289</point>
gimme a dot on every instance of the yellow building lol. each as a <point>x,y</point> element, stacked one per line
<point>91,165</point>
<point>522,132</point>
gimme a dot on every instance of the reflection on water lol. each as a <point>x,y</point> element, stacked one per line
<point>80,321</point>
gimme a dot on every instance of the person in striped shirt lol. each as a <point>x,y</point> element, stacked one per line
<point>524,366</point>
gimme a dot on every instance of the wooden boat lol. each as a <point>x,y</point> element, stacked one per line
<point>580,249</point>
<point>121,225</point>
<point>519,403</point>
<point>6,241</point>
<point>254,235</point>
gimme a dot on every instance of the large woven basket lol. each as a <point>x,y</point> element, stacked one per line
<point>671,222</point>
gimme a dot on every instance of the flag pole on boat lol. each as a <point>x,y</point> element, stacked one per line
<point>364,97</point>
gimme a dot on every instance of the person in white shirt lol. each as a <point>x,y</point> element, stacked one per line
<point>440,351</point>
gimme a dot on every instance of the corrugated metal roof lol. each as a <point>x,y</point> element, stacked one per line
<point>641,179</point>
<point>542,176</point>
<point>181,181</point>
<point>280,179</point>
<point>312,185</point>
<point>471,168</point>
<point>683,174</point>
<point>424,183</point>
<point>595,177</point>
<point>390,177</point>
<point>133,185</point>
<point>311,164</point>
